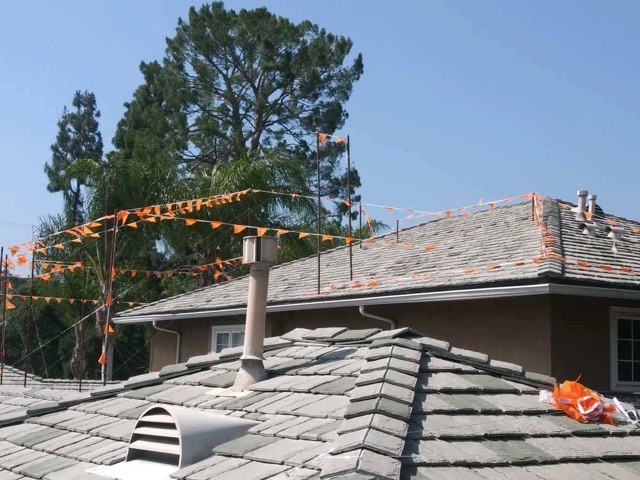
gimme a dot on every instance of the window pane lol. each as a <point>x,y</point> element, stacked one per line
<point>624,350</point>
<point>624,371</point>
<point>222,340</point>
<point>238,339</point>
<point>636,329</point>
<point>636,350</point>
<point>636,371</point>
<point>624,328</point>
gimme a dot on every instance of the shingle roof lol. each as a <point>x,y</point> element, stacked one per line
<point>12,376</point>
<point>486,248</point>
<point>338,404</point>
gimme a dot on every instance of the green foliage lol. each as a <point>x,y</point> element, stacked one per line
<point>78,138</point>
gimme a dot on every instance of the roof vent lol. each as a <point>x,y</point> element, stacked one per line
<point>582,205</point>
<point>588,228</point>
<point>592,205</point>
<point>260,253</point>
<point>180,436</point>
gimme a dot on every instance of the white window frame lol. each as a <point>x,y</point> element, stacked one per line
<point>616,313</point>
<point>218,329</point>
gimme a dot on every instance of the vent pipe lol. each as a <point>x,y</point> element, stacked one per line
<point>260,253</point>
<point>582,205</point>
<point>592,205</point>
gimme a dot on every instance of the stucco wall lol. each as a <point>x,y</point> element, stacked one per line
<point>511,329</point>
<point>580,338</point>
<point>196,339</point>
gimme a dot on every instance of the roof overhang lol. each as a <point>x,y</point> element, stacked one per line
<point>391,299</point>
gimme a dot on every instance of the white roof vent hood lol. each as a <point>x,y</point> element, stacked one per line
<point>167,438</point>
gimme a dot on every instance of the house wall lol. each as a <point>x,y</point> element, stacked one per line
<point>196,339</point>
<point>511,329</point>
<point>580,338</point>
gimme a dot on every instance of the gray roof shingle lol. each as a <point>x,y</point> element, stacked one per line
<point>401,409</point>
<point>495,246</point>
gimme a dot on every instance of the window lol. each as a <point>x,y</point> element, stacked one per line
<point>625,349</point>
<point>227,336</point>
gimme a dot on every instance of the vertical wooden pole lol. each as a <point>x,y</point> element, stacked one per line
<point>84,296</point>
<point>28,319</point>
<point>397,230</point>
<point>109,300</point>
<point>360,221</point>
<point>319,204</point>
<point>349,202</point>
<point>5,276</point>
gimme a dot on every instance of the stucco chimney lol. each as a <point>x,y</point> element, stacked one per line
<point>592,205</point>
<point>260,253</point>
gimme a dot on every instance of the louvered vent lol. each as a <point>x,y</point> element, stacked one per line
<point>179,436</point>
<point>155,438</point>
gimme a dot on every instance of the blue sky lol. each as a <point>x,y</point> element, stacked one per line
<point>459,100</point>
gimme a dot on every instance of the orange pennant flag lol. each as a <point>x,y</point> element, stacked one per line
<point>322,137</point>
<point>302,235</point>
<point>239,228</point>
<point>22,260</point>
<point>10,306</point>
<point>77,240</point>
<point>262,231</point>
<point>349,240</point>
<point>215,224</point>
<point>190,221</point>
<point>132,225</point>
<point>59,246</point>
<point>282,232</point>
<point>103,358</point>
<point>339,140</point>
<point>156,209</point>
<point>198,204</point>
<point>150,219</point>
<point>14,250</point>
<point>327,238</point>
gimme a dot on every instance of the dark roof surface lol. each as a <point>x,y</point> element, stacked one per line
<point>497,246</point>
<point>338,404</point>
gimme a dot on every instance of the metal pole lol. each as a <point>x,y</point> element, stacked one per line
<point>319,204</point>
<point>349,202</point>
<point>4,271</point>
<point>29,318</point>
<point>397,230</point>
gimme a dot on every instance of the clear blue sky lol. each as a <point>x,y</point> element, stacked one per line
<point>460,100</point>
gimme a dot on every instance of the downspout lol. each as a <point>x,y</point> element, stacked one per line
<point>178,338</point>
<point>392,323</point>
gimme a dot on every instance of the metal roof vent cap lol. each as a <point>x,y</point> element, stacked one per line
<point>615,233</point>
<point>182,436</point>
<point>582,205</point>
<point>260,253</point>
<point>588,228</point>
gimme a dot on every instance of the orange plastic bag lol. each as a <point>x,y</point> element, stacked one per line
<point>583,404</point>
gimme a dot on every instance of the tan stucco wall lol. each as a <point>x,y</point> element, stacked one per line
<point>580,333</point>
<point>511,329</point>
<point>196,339</point>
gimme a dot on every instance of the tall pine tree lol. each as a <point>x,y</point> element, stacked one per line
<point>78,139</point>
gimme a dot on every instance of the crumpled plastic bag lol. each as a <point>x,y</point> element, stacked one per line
<point>585,405</point>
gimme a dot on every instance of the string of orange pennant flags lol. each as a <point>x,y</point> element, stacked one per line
<point>193,270</point>
<point>87,230</point>
<point>11,306</point>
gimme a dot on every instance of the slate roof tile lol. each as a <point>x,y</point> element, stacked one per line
<point>359,410</point>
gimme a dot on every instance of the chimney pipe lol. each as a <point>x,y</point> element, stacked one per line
<point>592,205</point>
<point>260,253</point>
<point>582,206</point>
